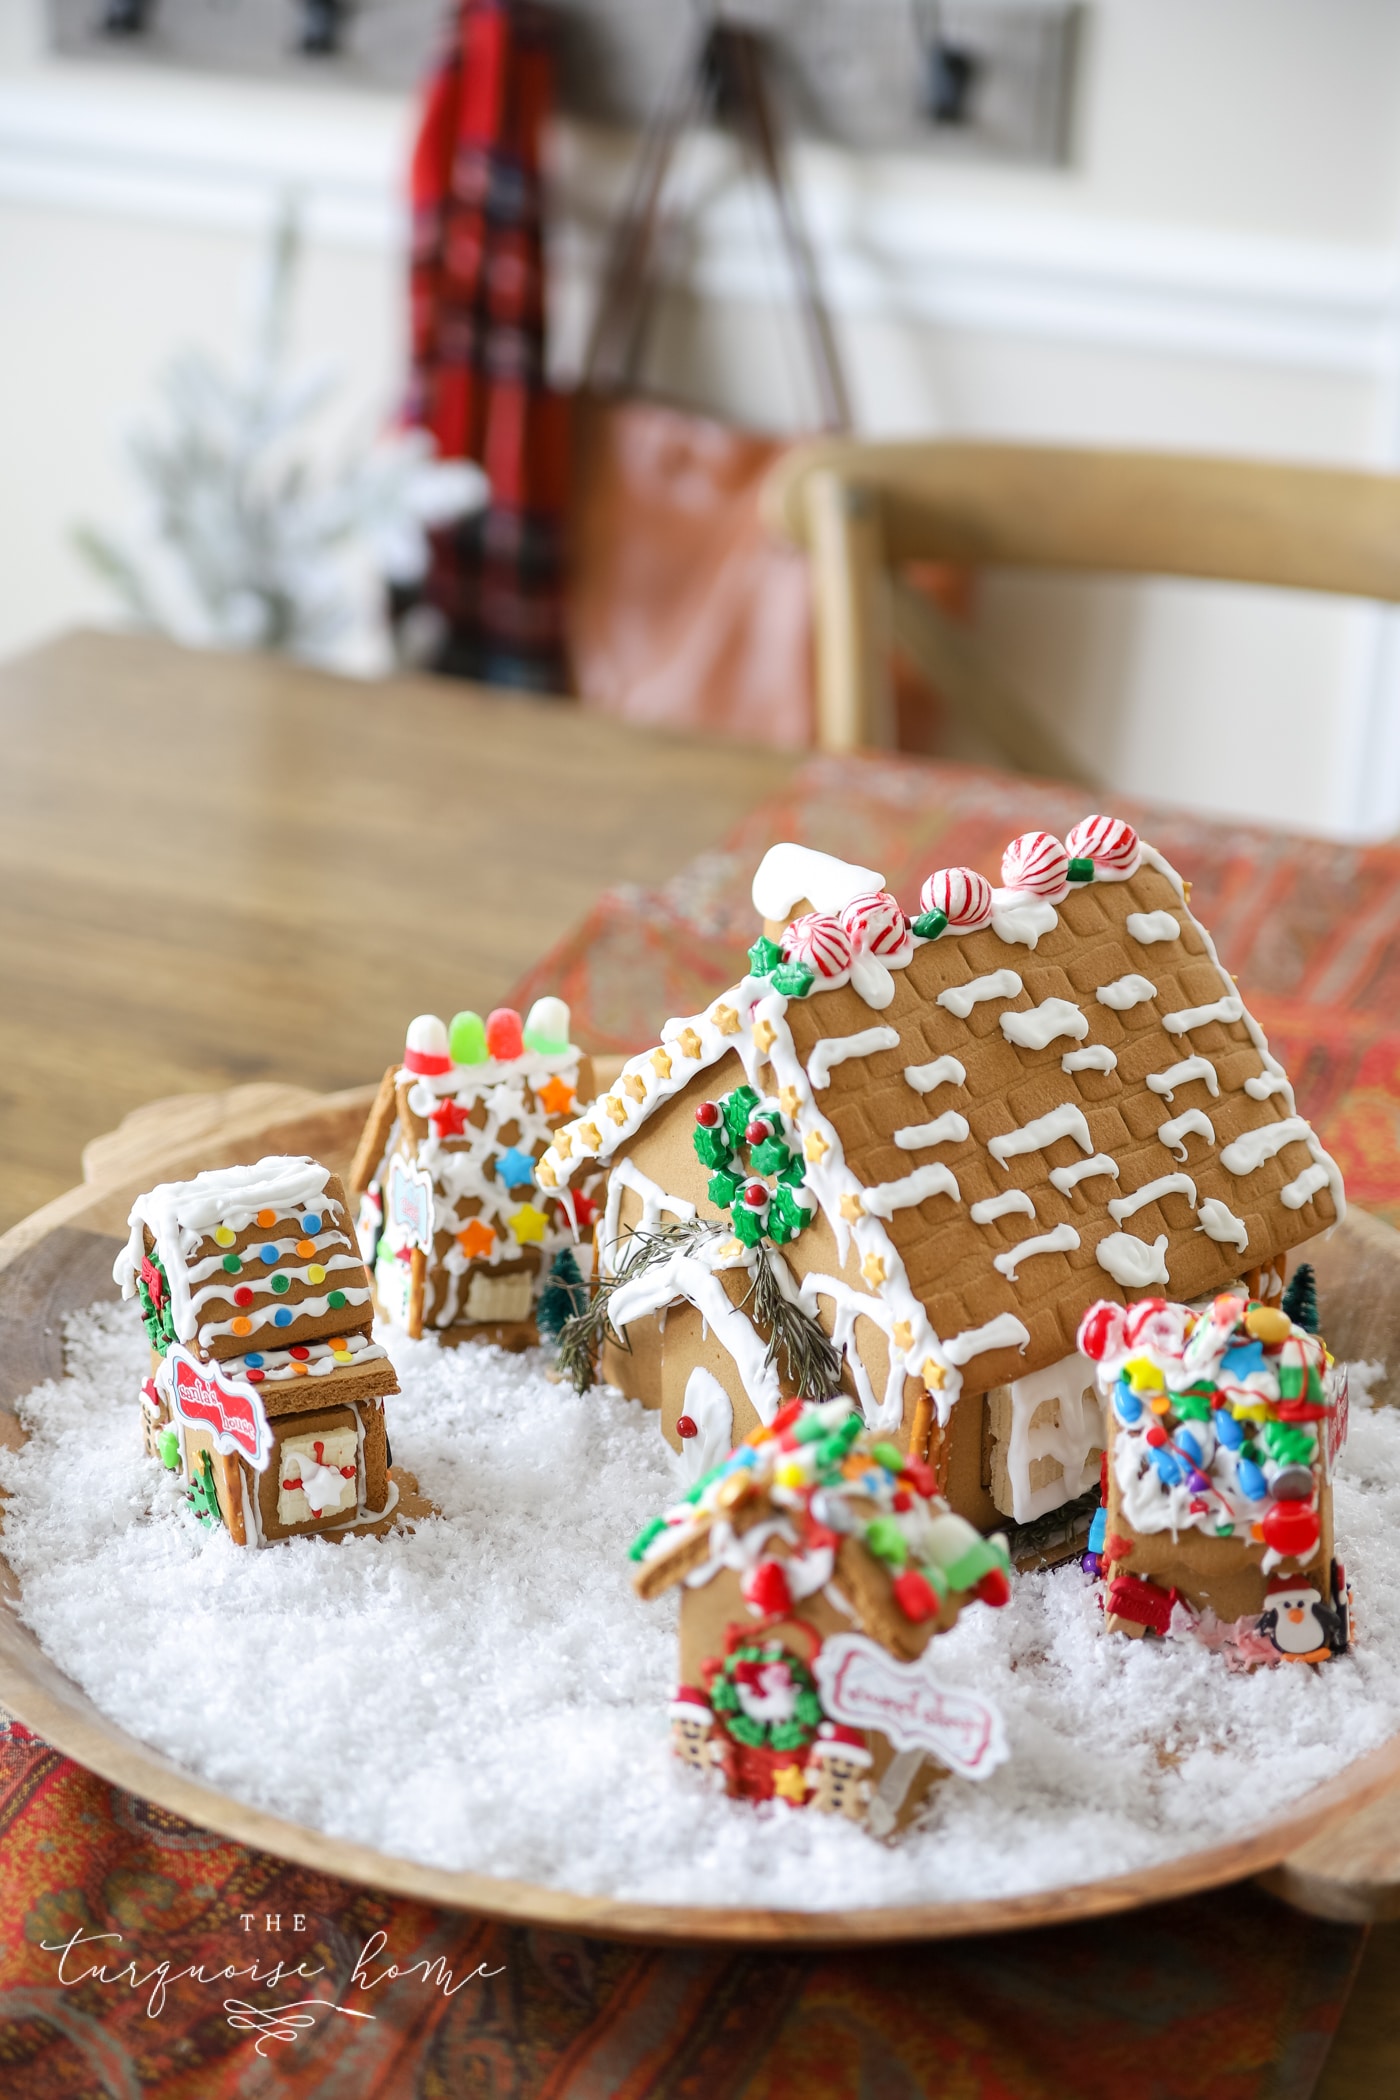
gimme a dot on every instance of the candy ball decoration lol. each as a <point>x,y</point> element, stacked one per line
<point>1038,863</point>
<point>426,1049</point>
<point>876,925</point>
<point>547,1027</point>
<point>1108,842</point>
<point>821,942</point>
<point>1101,1331</point>
<point>962,895</point>
<point>504,1038</point>
<point>467,1038</point>
<point>1291,1528</point>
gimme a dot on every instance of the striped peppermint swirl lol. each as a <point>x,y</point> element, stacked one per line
<point>1036,862</point>
<point>877,926</point>
<point>1109,843</point>
<point>962,895</point>
<point>821,941</point>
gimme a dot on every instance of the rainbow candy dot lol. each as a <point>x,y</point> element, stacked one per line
<point>232,1264</point>
<point>283,1316</point>
<point>241,1326</point>
<point>306,1247</point>
<point>268,1254</point>
<point>336,1300</point>
<point>281,1284</point>
<point>315,1274</point>
<point>254,1360</point>
<point>311,1222</point>
<point>266,1218</point>
<point>222,1236</point>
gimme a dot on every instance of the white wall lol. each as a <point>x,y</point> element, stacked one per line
<point>1220,268</point>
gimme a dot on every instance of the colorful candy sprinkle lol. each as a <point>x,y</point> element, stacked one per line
<point>334,1301</point>
<point>223,1237</point>
<point>315,1274</point>
<point>232,1264</point>
<point>311,1222</point>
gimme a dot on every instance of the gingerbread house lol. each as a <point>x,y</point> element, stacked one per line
<point>938,1140</point>
<point>818,1562</point>
<point>267,1385</point>
<point>450,1218</point>
<point>1224,1426</point>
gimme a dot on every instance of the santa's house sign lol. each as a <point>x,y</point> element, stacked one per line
<point>866,1688</point>
<point>202,1397</point>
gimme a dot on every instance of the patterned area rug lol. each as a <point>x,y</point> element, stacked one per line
<point>1311,929</point>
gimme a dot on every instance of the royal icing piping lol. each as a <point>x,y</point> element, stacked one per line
<point>889,1196</point>
<point>655,1202</point>
<point>1004,1332</point>
<point>1269,1081</point>
<point>1165,1185</point>
<point>692,1275</point>
<point>1094,1057</point>
<point>1065,1121</point>
<point>1058,1241</point>
<point>947,1129</point>
<point>1020,920</point>
<point>1218,1222</point>
<point>1010,1203</point>
<point>1193,1122</point>
<point>1253,1147</point>
<point>960,999</point>
<point>944,1071</point>
<point>835,1049</point>
<point>1166,1083</point>
<point>1037,1027</point>
<point>1131,1261</point>
<point>1228,1008</point>
<point>1146,927</point>
<point>787,873</point>
<point>1305,1187</point>
<point>1125,993</point>
<point>1066,1178</point>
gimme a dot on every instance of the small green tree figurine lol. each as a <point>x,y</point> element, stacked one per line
<point>1300,1299</point>
<point>563,1297</point>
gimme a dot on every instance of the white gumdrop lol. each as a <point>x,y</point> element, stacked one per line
<point>547,1024</point>
<point>428,1035</point>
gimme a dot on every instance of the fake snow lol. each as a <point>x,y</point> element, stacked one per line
<point>488,1693</point>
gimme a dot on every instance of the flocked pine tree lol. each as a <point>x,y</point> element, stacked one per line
<point>1300,1299</point>
<point>244,540</point>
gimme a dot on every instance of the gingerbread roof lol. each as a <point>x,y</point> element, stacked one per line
<point>1021,1100</point>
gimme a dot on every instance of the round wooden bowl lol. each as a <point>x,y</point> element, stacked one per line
<point>60,1260</point>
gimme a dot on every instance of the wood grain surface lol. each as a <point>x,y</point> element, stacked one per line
<point>223,870</point>
<point>61,1259</point>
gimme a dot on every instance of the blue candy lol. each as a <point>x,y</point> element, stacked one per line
<point>1126,1404</point>
<point>1189,1441</point>
<point>1168,1465</point>
<point>255,1361</point>
<point>267,1254</point>
<point>1242,1360</point>
<point>283,1316</point>
<point>515,1168</point>
<point>1098,1531</point>
<point>1251,1480</point>
<point>1229,1431</point>
<point>311,1223</point>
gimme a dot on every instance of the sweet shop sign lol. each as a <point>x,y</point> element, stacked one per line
<point>865,1687</point>
<point>202,1397</point>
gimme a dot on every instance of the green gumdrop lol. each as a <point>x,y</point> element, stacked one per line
<point>169,1447</point>
<point>466,1039</point>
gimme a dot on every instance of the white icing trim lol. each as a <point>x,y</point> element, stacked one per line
<point>787,873</point>
<point>1305,1187</point>
<point>852,1305</point>
<point>712,1411</point>
<point>943,1071</point>
<point>1166,1083</point>
<point>1065,1121</point>
<point>1067,1178</point>
<point>1230,1007</point>
<point>960,999</point>
<point>655,1200</point>
<point>1125,993</point>
<point>1058,1241</point>
<point>889,1196</point>
<point>1019,919</point>
<point>1193,1122</point>
<point>1074,1441</point>
<point>1011,1202</point>
<point>1004,1332</point>
<point>1272,1080</point>
<point>1094,1057</point>
<point>1036,1027</point>
<point>835,1049</point>
<point>1218,1222</point>
<point>690,1276</point>
<point>947,1129</point>
<point>1147,927</point>
<point>1152,1192</point>
<point>1252,1147</point>
<point>1131,1262</point>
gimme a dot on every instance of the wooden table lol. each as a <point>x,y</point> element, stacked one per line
<point>225,869</point>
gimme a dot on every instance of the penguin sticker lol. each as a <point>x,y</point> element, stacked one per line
<point>1302,1627</point>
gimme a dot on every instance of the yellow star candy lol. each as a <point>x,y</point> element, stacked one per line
<point>765,1035</point>
<point>903,1335</point>
<point>934,1375</point>
<point>688,1043</point>
<point>528,1224</point>
<point>590,1135</point>
<point>661,1064</point>
<point>546,1176</point>
<point>788,1100</point>
<point>634,1084</point>
<point>726,1020</point>
<point>851,1209</point>
<point>790,1784</point>
<point>815,1146</point>
<point>873,1268</point>
<point>615,1107</point>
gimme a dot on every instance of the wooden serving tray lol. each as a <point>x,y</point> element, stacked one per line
<point>1335,1852</point>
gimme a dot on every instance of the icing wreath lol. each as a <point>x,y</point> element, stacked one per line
<point>757,1176</point>
<point>765,1697</point>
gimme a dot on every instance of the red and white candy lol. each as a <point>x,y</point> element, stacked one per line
<point>1038,863</point>
<point>1109,843</point>
<point>821,941</point>
<point>962,895</point>
<point>875,924</point>
<point>426,1048</point>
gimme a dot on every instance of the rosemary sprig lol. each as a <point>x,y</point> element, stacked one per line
<point>812,1359</point>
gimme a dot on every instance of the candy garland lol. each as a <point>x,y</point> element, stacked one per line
<point>762,1192</point>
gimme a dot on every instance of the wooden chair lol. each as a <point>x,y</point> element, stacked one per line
<point>862,510</point>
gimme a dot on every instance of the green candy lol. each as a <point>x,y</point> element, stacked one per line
<point>466,1039</point>
<point>712,1146</point>
<point>1190,1408</point>
<point>930,924</point>
<point>935,1578</point>
<point>764,956</point>
<point>281,1284</point>
<point>1080,870</point>
<point>770,1157</point>
<point>886,1541</point>
<point>168,1445</point>
<point>793,979</point>
<point>889,1456</point>
<point>737,1108</point>
<point>723,1189</point>
<point>977,1560</point>
<point>748,1227</point>
<point>644,1538</point>
<point>232,1264</point>
<point>335,1300</point>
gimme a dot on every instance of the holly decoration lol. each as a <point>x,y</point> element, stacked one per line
<point>153,1292</point>
<point>793,979</point>
<point>765,1697</point>
<point>758,1173</point>
<point>563,1296</point>
<point>203,1495</point>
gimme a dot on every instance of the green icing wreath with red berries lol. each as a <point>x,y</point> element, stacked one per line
<point>766,1697</point>
<point>757,1172</point>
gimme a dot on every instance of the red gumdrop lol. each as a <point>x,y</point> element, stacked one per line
<point>767,1588</point>
<point>995,1588</point>
<point>707,1115</point>
<point>914,1595</point>
<point>1291,1528</point>
<point>919,1475</point>
<point>503,1035</point>
<point>687,1427</point>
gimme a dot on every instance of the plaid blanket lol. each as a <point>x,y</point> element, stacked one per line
<point>477,335</point>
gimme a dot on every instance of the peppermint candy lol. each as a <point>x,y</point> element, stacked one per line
<point>1108,842</point>
<point>876,926</point>
<point>821,941</point>
<point>1036,862</point>
<point>962,895</point>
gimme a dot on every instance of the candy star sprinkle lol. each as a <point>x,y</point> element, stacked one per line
<point>616,1107</point>
<point>873,1268</point>
<point>903,1335</point>
<point>661,1064</point>
<point>634,1084</point>
<point>726,1020</point>
<point>789,1100</point>
<point>789,1783</point>
<point>448,1120</point>
<point>528,1224</point>
<point>589,1134</point>
<point>764,1035</point>
<point>556,1097</point>
<point>815,1147</point>
<point>934,1375</point>
<point>688,1043</point>
<point>851,1209</point>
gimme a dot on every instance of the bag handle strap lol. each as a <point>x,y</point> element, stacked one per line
<point>724,71</point>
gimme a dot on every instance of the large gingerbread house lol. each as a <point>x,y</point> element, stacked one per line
<point>267,1386</point>
<point>457,1233</point>
<point>942,1139</point>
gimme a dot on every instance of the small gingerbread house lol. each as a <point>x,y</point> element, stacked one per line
<point>450,1218</point>
<point>942,1138</point>
<point>818,1562</point>
<point>267,1386</point>
<point>1224,1426</point>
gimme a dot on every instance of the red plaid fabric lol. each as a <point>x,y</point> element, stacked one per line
<point>478,364</point>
